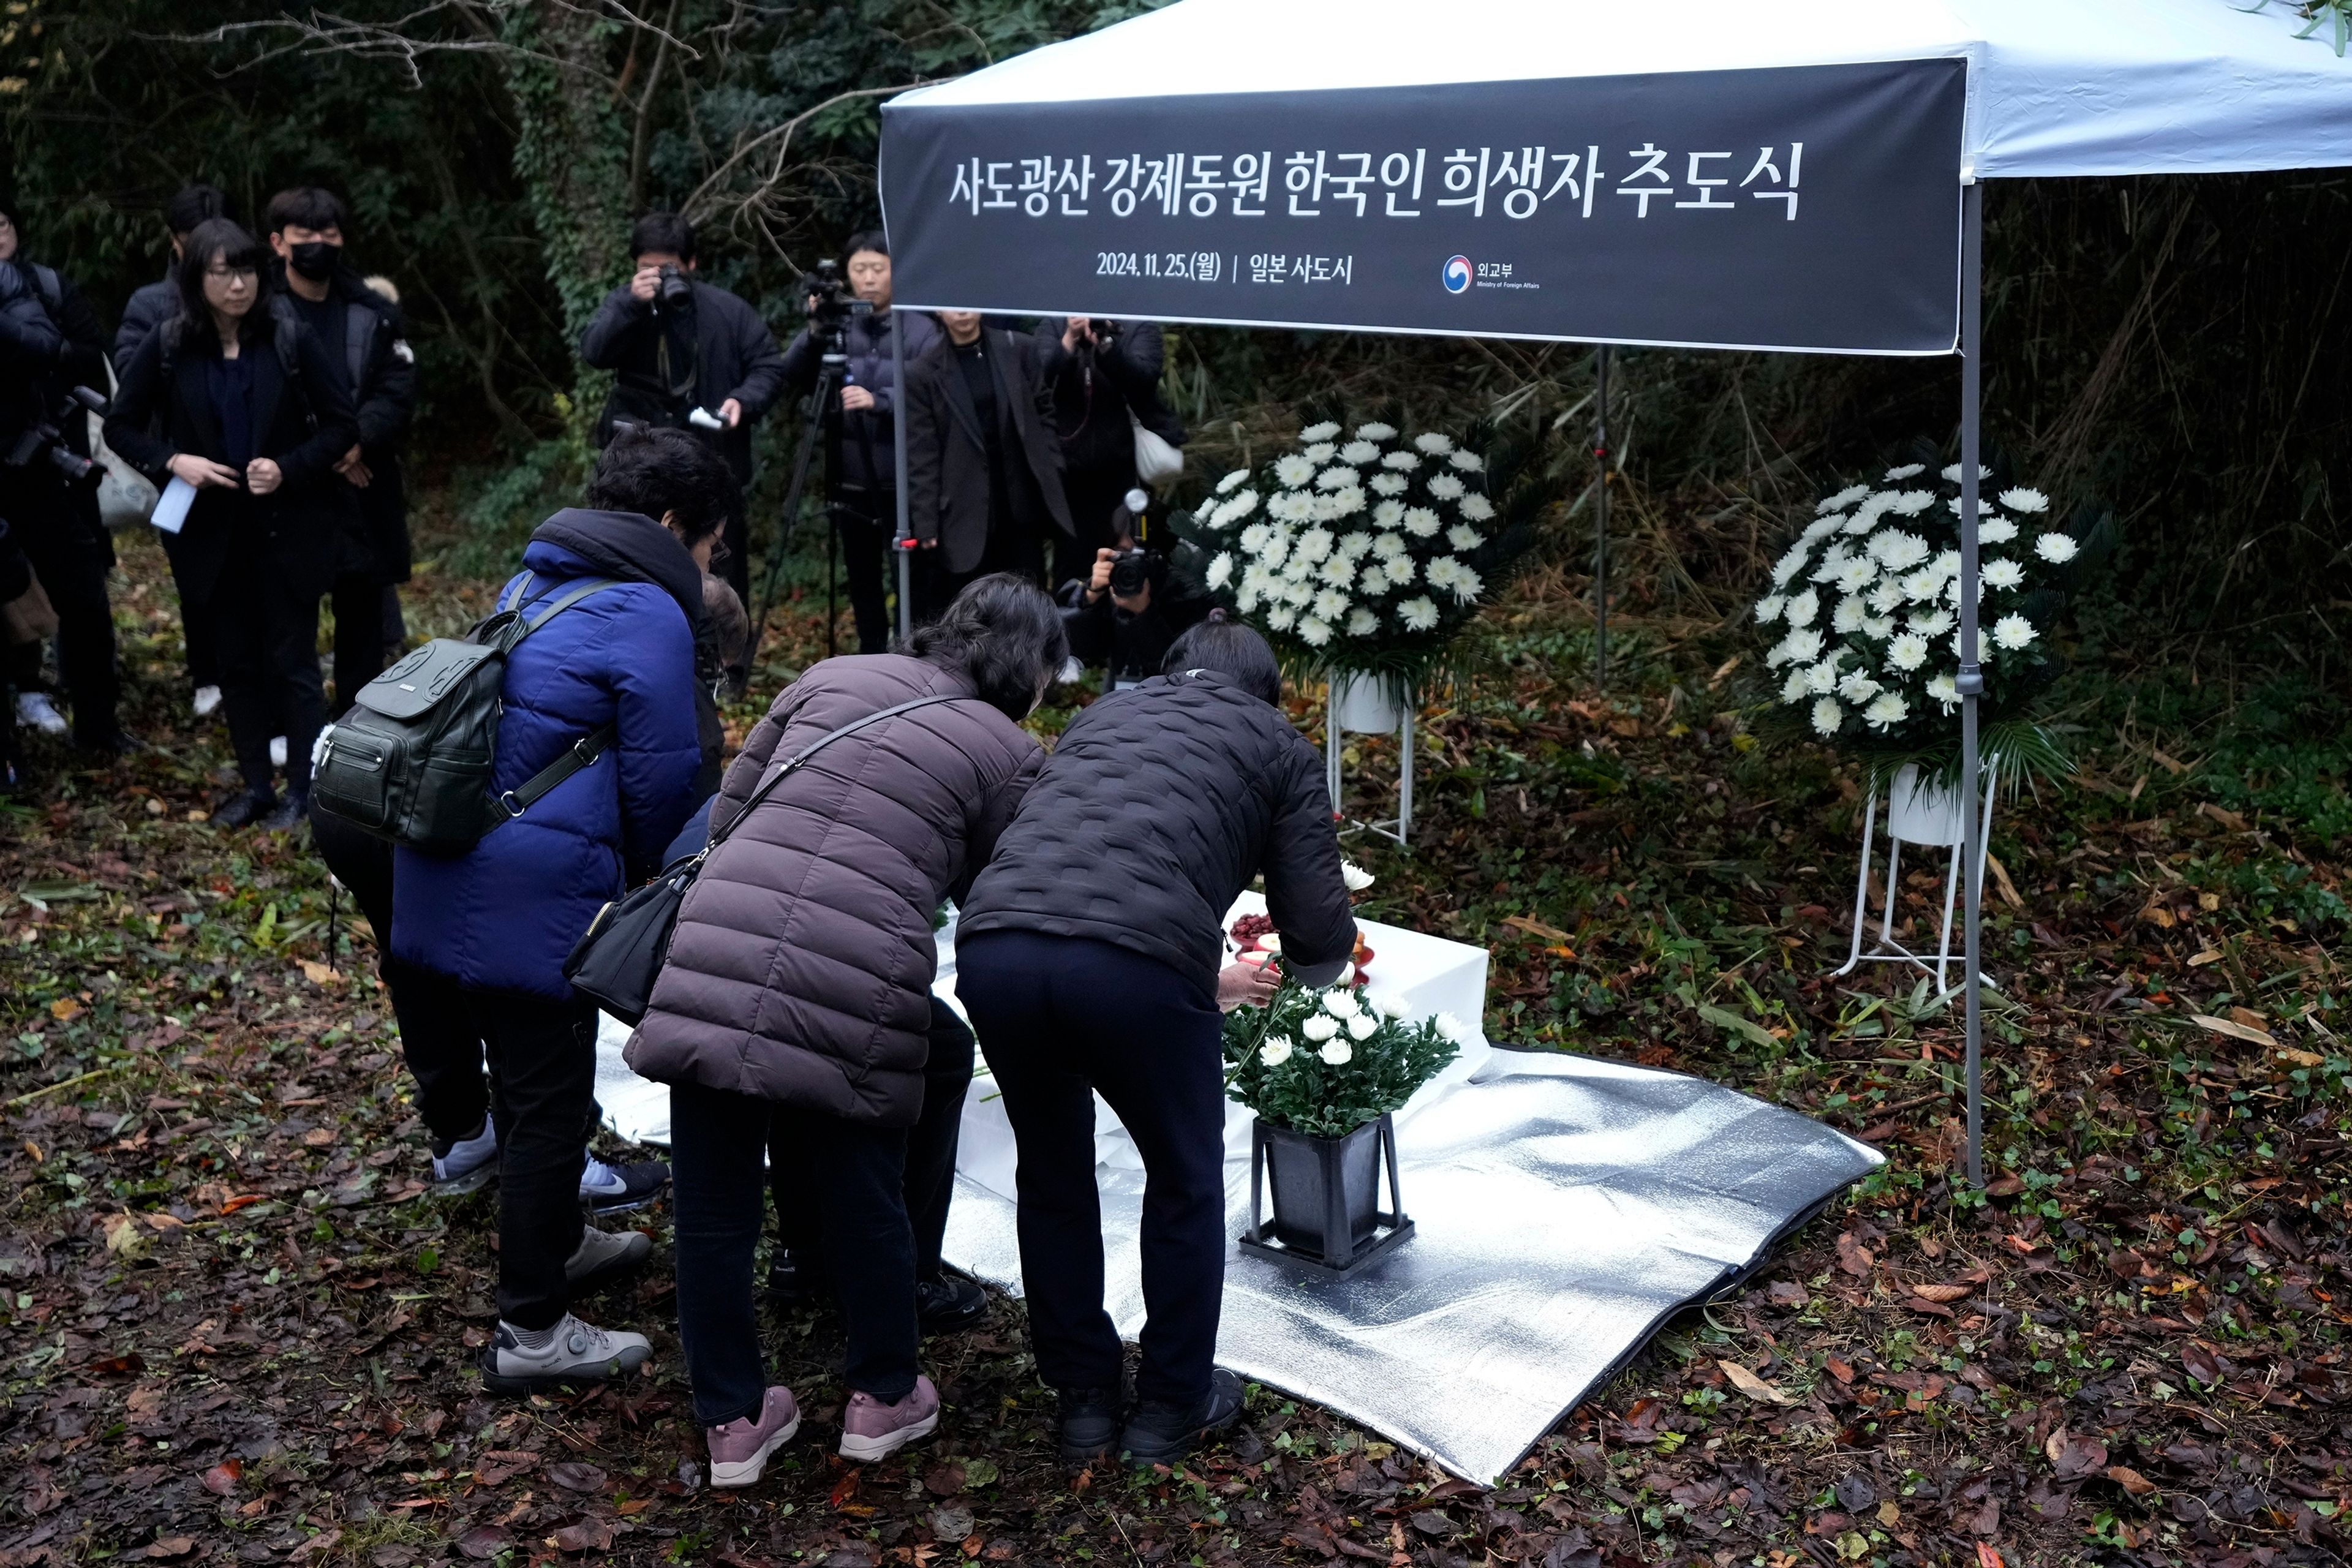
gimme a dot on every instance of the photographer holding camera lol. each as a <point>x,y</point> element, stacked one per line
<point>52,489</point>
<point>1104,381</point>
<point>687,356</point>
<point>1131,609</point>
<point>861,454</point>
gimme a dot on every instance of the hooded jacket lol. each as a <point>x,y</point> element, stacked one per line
<point>1158,805</point>
<point>869,457</point>
<point>800,967</point>
<point>505,915</point>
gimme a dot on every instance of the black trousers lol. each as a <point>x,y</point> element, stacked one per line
<point>792,1171</point>
<point>543,1056</point>
<point>437,1037</point>
<point>718,1139</point>
<point>268,642</point>
<point>867,572</point>
<point>359,606</point>
<point>202,635</point>
<point>1093,495</point>
<point>70,556</point>
<point>1059,1018</point>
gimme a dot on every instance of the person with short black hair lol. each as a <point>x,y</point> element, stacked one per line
<point>364,334</point>
<point>59,525</point>
<point>1089,959</point>
<point>798,989</point>
<point>236,396</point>
<point>679,347</point>
<point>862,453</point>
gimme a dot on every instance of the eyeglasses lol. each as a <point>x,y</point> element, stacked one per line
<point>228,274</point>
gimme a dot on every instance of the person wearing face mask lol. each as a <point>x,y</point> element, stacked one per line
<point>362,331</point>
<point>798,988</point>
<point>237,397</point>
<point>58,524</point>
<point>861,478</point>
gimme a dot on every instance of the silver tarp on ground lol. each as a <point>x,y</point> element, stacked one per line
<point>1563,1206</point>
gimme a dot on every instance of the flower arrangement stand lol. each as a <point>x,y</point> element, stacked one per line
<point>1353,704</point>
<point>1917,812</point>
<point>1335,1182</point>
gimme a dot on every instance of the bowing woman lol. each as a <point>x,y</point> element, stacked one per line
<point>237,397</point>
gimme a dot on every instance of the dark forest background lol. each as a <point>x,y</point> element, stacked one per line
<point>2176,349</point>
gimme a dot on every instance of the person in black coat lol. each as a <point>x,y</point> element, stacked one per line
<point>57,523</point>
<point>362,334</point>
<point>1101,373</point>
<point>677,345</point>
<point>237,397</point>
<point>983,468</point>
<point>861,450</point>
<point>1087,956</point>
<point>150,306</point>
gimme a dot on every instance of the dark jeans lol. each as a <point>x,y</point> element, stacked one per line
<point>542,1058</point>
<point>930,1156</point>
<point>358,603</point>
<point>718,1139</point>
<point>268,649</point>
<point>867,573</point>
<point>70,557</point>
<point>436,1030</point>
<point>1059,1018</point>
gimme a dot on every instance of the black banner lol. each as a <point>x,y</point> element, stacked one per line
<point>1813,207</point>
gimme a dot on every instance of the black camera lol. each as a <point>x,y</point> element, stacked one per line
<point>44,444</point>
<point>675,290</point>
<point>831,304</point>
<point>1134,570</point>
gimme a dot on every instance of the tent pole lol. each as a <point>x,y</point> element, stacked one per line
<point>1600,515</point>
<point>901,545</point>
<point>1971,676</point>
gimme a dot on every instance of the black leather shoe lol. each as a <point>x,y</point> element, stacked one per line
<point>948,1303</point>
<point>289,814</point>
<point>1090,1421</point>
<point>1162,1434</point>
<point>246,809</point>
<point>795,1281</point>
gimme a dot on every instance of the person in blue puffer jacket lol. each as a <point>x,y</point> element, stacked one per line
<point>501,920</point>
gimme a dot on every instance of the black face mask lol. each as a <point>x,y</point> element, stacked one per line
<point>313,259</point>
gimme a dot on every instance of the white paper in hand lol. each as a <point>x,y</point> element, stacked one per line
<point>171,513</point>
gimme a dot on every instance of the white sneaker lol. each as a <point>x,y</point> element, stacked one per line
<point>468,1165</point>
<point>276,750</point>
<point>37,710</point>
<point>603,1254</point>
<point>208,698</point>
<point>570,1353</point>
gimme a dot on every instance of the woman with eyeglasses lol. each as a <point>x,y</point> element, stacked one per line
<point>236,398</point>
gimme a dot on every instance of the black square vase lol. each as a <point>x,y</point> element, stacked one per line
<point>1326,1193</point>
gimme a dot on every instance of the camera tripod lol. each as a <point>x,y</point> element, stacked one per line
<point>832,368</point>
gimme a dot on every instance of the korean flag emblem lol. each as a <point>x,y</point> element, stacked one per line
<point>1456,276</point>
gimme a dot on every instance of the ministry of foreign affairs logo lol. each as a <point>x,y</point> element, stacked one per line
<point>1456,276</point>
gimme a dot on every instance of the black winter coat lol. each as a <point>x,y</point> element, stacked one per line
<point>947,455</point>
<point>1091,410</point>
<point>150,306</point>
<point>1158,806</point>
<point>304,427</point>
<point>31,347</point>
<point>869,458</point>
<point>379,369</point>
<point>733,354</point>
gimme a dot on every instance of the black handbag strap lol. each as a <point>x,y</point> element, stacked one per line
<point>581,754</point>
<point>811,750</point>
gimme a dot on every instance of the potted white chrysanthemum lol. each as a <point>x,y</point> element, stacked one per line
<point>1324,1070</point>
<point>1863,615</point>
<point>1363,553</point>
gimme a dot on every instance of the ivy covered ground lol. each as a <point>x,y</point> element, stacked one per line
<point>233,1328</point>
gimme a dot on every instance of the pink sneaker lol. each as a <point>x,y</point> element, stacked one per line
<point>872,1430</point>
<point>740,1449</point>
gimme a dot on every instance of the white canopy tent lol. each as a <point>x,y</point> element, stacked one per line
<point>2043,88</point>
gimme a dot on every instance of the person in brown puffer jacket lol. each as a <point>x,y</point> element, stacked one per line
<point>798,986</point>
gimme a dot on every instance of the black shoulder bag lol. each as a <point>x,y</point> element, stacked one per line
<point>618,958</point>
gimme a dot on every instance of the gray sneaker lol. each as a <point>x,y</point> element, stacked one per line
<point>572,1353</point>
<point>466,1164</point>
<point>603,1255</point>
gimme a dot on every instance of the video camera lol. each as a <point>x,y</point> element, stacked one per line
<point>832,305</point>
<point>43,443</point>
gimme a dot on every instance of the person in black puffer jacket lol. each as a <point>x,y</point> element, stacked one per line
<point>1087,956</point>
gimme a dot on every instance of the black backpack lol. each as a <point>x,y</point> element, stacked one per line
<point>412,761</point>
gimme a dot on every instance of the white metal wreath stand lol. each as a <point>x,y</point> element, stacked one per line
<point>1916,813</point>
<point>1356,705</point>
